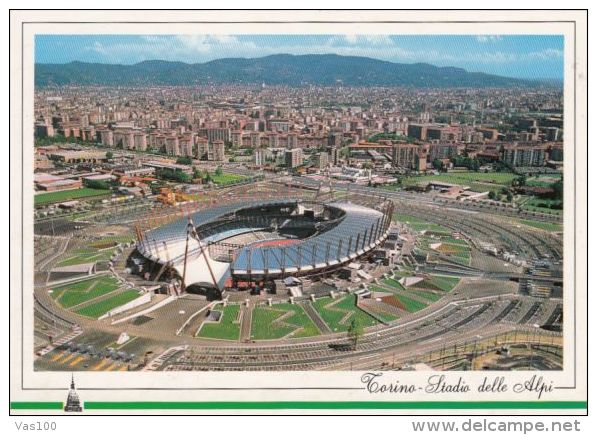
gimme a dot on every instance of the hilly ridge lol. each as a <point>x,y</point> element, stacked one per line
<point>281,69</point>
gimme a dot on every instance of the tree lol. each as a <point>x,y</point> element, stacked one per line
<point>558,189</point>
<point>437,164</point>
<point>218,171</point>
<point>492,195</point>
<point>97,184</point>
<point>169,174</point>
<point>184,160</point>
<point>109,155</point>
<point>355,332</point>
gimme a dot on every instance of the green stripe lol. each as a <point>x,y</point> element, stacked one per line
<point>337,405</point>
<point>36,405</point>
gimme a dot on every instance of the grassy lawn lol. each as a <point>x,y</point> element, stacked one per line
<point>547,226</point>
<point>543,180</point>
<point>393,283</point>
<point>100,308</point>
<point>227,178</point>
<point>228,328</point>
<point>477,181</point>
<point>430,296</point>
<point>66,195</point>
<point>339,313</point>
<point>76,293</point>
<point>410,304</point>
<point>386,317</point>
<point>265,324</point>
<point>531,203</point>
<point>86,255</point>
<point>445,283</point>
<point>420,225</point>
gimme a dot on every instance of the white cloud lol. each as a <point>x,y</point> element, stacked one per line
<point>547,54</point>
<point>488,38</point>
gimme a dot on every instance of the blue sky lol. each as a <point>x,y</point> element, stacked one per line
<point>523,56</point>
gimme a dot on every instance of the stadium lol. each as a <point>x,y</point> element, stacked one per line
<point>249,243</point>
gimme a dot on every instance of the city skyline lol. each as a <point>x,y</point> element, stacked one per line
<point>517,56</point>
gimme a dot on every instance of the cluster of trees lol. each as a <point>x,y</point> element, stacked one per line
<point>186,160</point>
<point>172,175</point>
<point>472,164</point>
<point>58,138</point>
<point>205,176</point>
<point>98,184</point>
<point>497,197</point>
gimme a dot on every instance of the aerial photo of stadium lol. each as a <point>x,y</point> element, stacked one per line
<point>206,216</point>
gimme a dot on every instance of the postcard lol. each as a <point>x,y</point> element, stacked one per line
<point>316,212</point>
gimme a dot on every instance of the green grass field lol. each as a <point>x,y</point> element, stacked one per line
<point>227,178</point>
<point>543,180</point>
<point>531,203</point>
<point>100,308</point>
<point>228,328</point>
<point>445,283</point>
<point>420,225</point>
<point>279,320</point>
<point>477,181</point>
<point>430,296</point>
<point>69,295</point>
<point>547,226</point>
<point>86,255</point>
<point>384,316</point>
<point>410,304</point>
<point>339,313</point>
<point>393,283</point>
<point>67,195</point>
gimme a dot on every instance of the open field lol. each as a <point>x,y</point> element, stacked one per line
<point>228,328</point>
<point>410,305</point>
<point>86,255</point>
<point>477,181</point>
<point>100,308</point>
<point>547,226</point>
<point>227,178</point>
<point>542,180</point>
<point>448,247</point>
<point>541,205</point>
<point>339,313</point>
<point>444,283</point>
<point>280,320</point>
<point>66,195</point>
<point>69,295</point>
<point>420,225</point>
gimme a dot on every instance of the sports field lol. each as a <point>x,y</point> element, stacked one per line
<point>228,328</point>
<point>100,308</point>
<point>281,320</point>
<point>477,181</point>
<point>227,178</point>
<point>338,313</point>
<point>67,195</point>
<point>69,295</point>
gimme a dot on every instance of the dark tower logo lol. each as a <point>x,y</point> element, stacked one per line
<point>73,403</point>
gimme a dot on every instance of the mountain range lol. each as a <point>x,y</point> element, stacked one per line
<point>280,69</point>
